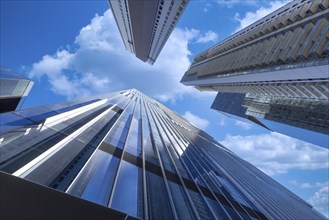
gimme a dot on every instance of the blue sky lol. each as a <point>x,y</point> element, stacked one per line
<point>73,48</point>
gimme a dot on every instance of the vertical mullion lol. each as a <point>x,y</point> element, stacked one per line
<point>143,158</point>
<point>177,171</point>
<point>195,155</point>
<point>179,142</point>
<point>162,169</point>
<point>216,184</point>
<point>214,166</point>
<point>119,165</point>
<point>199,160</point>
<point>200,176</point>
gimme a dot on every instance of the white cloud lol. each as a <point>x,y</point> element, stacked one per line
<point>251,17</point>
<point>198,122</point>
<point>209,36</point>
<point>307,185</point>
<point>232,3</point>
<point>222,122</point>
<point>275,153</point>
<point>315,185</point>
<point>320,199</point>
<point>51,65</point>
<point>207,7</point>
<point>293,182</point>
<point>100,64</point>
<point>243,125</point>
<point>323,184</point>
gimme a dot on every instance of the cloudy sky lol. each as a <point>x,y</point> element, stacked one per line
<point>73,48</point>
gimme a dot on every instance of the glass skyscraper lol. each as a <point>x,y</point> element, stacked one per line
<point>308,121</point>
<point>128,152</point>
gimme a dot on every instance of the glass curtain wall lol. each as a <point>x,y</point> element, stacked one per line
<point>128,152</point>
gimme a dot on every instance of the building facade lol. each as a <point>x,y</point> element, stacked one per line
<point>280,63</point>
<point>130,153</point>
<point>291,117</point>
<point>13,89</point>
<point>145,26</point>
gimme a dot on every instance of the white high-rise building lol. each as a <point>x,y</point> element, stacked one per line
<point>283,54</point>
<point>145,25</point>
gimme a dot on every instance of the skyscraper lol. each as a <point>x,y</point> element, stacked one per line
<point>128,152</point>
<point>13,89</point>
<point>145,26</point>
<point>300,119</point>
<point>279,62</point>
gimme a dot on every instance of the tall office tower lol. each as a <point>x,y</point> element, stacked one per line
<point>296,118</point>
<point>13,90</point>
<point>280,63</point>
<point>145,25</point>
<point>132,154</point>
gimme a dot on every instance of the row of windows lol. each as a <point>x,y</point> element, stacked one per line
<point>158,38</point>
<point>123,7</point>
<point>293,13</point>
<point>308,91</point>
<point>301,43</point>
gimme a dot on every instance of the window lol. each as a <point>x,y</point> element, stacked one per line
<point>96,179</point>
<point>129,190</point>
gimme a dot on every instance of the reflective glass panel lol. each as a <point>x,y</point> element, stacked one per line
<point>96,179</point>
<point>128,193</point>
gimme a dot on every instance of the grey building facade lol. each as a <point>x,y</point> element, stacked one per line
<point>280,63</point>
<point>291,117</point>
<point>13,89</point>
<point>145,26</point>
<point>130,153</point>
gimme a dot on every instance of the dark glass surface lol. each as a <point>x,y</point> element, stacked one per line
<point>9,104</point>
<point>128,195</point>
<point>11,120</point>
<point>100,184</point>
<point>158,206</point>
